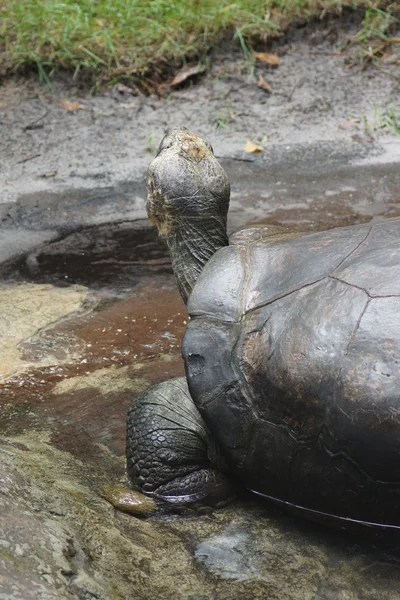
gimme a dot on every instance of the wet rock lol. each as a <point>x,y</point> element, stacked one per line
<point>129,501</point>
<point>61,539</point>
<point>227,555</point>
<point>26,309</point>
<point>115,255</point>
<point>17,241</point>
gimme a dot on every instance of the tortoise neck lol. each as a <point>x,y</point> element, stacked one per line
<point>191,243</point>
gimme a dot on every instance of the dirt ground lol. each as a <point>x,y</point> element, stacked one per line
<point>319,94</point>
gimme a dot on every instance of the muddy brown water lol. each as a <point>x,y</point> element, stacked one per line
<point>75,375</point>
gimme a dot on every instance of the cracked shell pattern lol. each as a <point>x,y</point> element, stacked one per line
<point>300,383</point>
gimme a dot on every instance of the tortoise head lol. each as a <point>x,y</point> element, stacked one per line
<point>185,180</point>
<point>188,200</point>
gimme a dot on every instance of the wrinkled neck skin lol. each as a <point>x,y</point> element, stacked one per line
<point>192,242</point>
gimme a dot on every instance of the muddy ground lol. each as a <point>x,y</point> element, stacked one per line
<point>90,317</point>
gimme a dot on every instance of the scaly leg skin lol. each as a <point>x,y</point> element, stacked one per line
<point>170,453</point>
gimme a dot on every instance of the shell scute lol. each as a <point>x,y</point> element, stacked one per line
<point>366,407</point>
<point>375,264</point>
<point>281,267</point>
<point>218,290</point>
<point>288,354</point>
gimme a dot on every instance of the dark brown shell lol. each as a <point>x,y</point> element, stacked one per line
<point>292,356</point>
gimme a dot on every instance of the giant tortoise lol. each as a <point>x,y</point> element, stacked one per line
<point>292,356</point>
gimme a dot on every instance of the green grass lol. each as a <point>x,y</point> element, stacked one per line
<point>387,119</point>
<point>125,37</point>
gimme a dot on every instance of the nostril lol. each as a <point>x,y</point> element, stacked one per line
<point>195,365</point>
<point>166,142</point>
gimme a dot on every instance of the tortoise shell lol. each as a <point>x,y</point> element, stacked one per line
<point>292,356</point>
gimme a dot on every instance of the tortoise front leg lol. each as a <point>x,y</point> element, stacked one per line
<point>170,453</point>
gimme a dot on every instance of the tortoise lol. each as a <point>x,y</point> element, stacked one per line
<point>291,353</point>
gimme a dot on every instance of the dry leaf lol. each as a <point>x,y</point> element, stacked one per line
<point>264,85</point>
<point>351,124</point>
<point>188,71</point>
<point>272,60</point>
<point>252,147</point>
<point>362,139</point>
<point>128,105</point>
<point>70,105</point>
<point>46,175</point>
